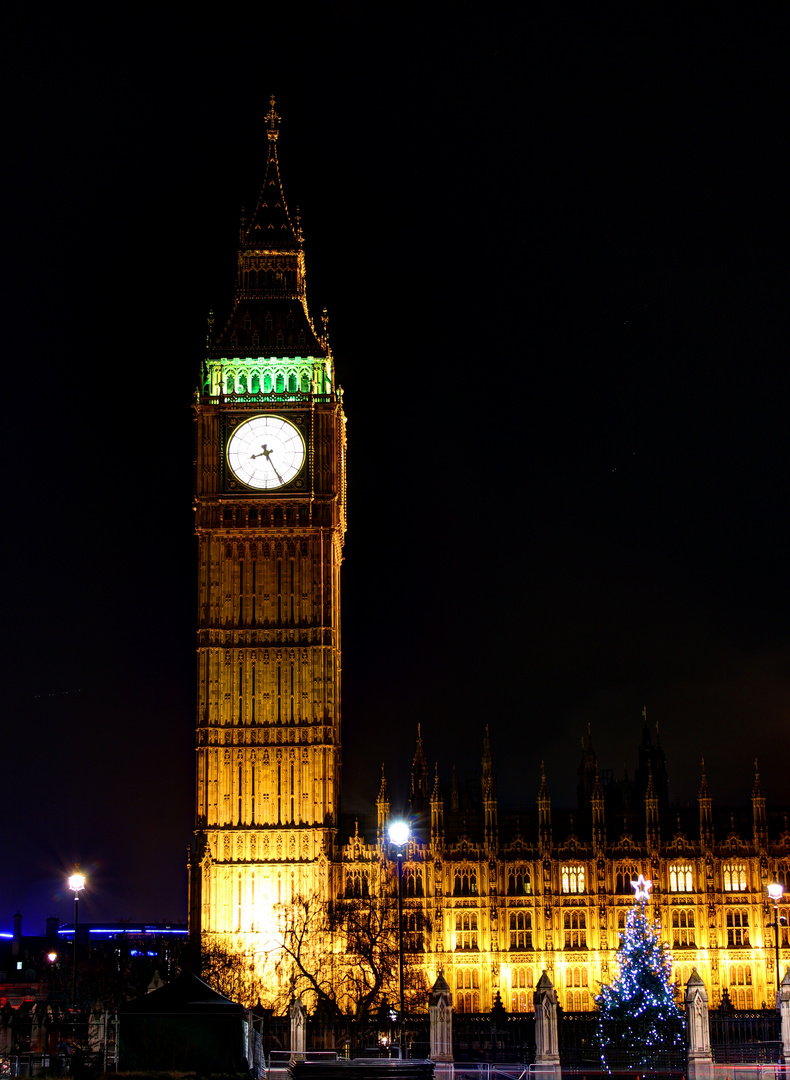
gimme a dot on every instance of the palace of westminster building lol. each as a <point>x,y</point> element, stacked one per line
<point>491,899</point>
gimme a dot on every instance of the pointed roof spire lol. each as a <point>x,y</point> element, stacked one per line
<point>270,227</point>
<point>650,793</point>
<point>436,792</point>
<point>544,788</point>
<point>597,791</point>
<point>704,793</point>
<point>383,787</point>
<point>270,316</point>
<point>419,773</point>
<point>272,119</point>
<point>757,791</point>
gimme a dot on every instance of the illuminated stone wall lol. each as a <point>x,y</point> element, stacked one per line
<point>494,912</point>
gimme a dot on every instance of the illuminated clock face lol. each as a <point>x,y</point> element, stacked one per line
<point>265,452</point>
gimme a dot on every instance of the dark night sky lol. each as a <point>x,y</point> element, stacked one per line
<point>565,229</point>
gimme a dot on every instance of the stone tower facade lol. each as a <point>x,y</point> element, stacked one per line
<point>270,517</point>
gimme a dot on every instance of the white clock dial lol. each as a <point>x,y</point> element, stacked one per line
<point>265,452</point>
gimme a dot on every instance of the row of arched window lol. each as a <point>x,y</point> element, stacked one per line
<point>682,928</point>
<point>520,930</point>
<point>283,381</point>
<point>575,930</point>
<point>465,883</point>
<point>466,931</point>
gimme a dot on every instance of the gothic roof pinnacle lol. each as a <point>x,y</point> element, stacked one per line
<point>383,787</point>
<point>270,227</point>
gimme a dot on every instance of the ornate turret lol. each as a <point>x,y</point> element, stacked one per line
<point>418,791</point>
<point>437,812</point>
<point>652,760</point>
<point>587,772</point>
<point>758,812</point>
<point>598,819</point>
<point>454,799</point>
<point>651,812</point>
<point>489,795</point>
<point>382,810</point>
<point>544,812</point>
<point>705,813</point>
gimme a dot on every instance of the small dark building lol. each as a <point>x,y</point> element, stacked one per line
<point>185,1026</point>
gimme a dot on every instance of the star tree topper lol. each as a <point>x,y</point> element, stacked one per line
<point>641,888</point>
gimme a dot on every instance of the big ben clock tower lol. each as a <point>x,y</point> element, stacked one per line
<point>270,520</point>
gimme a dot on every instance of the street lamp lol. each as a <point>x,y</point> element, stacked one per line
<point>52,957</point>
<point>398,833</point>
<point>76,882</point>
<point>775,892</point>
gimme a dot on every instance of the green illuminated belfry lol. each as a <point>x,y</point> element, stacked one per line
<point>269,343</point>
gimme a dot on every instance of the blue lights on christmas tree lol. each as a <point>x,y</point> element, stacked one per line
<point>638,1015</point>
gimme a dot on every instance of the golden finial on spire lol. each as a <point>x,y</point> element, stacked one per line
<point>273,119</point>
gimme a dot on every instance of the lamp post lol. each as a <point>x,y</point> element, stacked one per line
<point>76,882</point>
<point>52,957</point>
<point>775,892</point>
<point>399,836</point>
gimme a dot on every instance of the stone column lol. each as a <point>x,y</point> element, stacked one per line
<point>547,1057</point>
<point>298,1029</point>
<point>784,1012</point>
<point>441,1010</point>
<point>700,1059</point>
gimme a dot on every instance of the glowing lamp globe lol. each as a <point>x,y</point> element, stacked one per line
<point>398,833</point>
<point>77,882</point>
<point>775,891</point>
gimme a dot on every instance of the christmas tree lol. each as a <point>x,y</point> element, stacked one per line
<point>638,1015</point>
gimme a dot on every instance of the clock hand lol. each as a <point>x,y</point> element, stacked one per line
<point>266,452</point>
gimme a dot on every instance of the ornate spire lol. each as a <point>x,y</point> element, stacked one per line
<point>544,789</point>
<point>419,776</point>
<point>382,795</point>
<point>758,809</point>
<point>382,810</point>
<point>270,227</point>
<point>705,812</point>
<point>272,119</point>
<point>757,790</point>
<point>270,317</point>
<point>437,811</point>
<point>544,812</point>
